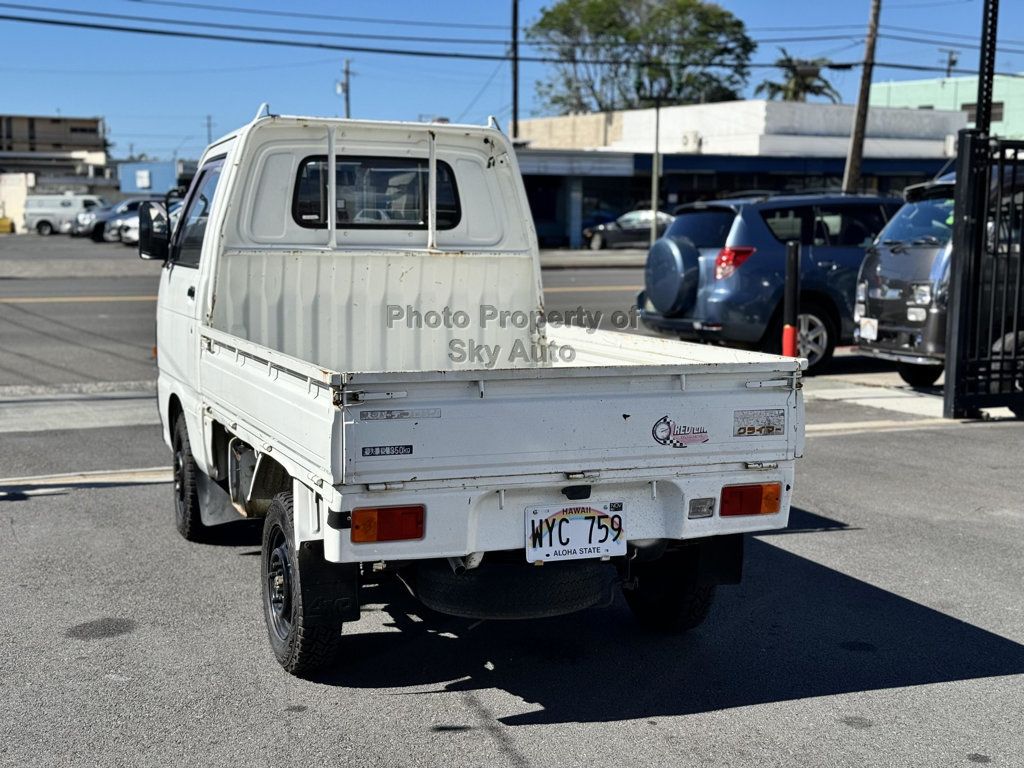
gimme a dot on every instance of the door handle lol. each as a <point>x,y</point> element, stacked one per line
<point>191,292</point>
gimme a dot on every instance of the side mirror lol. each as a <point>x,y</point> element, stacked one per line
<point>154,232</point>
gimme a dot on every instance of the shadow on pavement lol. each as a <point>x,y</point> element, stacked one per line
<point>794,629</point>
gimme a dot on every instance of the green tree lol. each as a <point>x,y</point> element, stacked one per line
<point>800,78</point>
<point>627,54</point>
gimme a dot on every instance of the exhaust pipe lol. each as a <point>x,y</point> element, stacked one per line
<point>458,565</point>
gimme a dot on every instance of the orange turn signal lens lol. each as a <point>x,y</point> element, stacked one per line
<point>370,524</point>
<point>760,499</point>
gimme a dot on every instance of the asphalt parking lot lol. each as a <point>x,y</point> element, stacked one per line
<point>883,628</point>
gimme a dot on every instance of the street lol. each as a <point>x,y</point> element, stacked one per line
<point>884,627</point>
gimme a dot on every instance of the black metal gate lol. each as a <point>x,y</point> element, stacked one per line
<point>985,328</point>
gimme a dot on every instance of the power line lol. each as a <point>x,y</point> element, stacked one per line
<point>148,72</point>
<point>463,55</point>
<point>318,16</point>
<point>251,28</point>
<point>483,88</point>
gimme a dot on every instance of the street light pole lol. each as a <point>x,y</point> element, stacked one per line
<point>655,170</point>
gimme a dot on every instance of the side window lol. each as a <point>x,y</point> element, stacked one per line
<point>788,223</point>
<point>132,206</point>
<point>850,226</point>
<point>192,226</point>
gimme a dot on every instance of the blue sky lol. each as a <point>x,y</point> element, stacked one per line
<point>156,92</point>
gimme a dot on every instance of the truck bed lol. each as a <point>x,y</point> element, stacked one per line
<point>599,412</point>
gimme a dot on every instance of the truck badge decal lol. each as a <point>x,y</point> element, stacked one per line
<point>668,432</point>
<point>388,450</point>
<point>760,423</point>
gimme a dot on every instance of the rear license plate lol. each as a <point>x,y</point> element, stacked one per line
<point>869,329</point>
<point>575,531</point>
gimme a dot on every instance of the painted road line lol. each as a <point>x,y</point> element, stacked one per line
<point>142,476</point>
<point>592,288</point>
<point>72,299</point>
<point>11,391</point>
<point>96,412</point>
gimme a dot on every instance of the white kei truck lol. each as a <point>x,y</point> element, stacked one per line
<point>353,346</point>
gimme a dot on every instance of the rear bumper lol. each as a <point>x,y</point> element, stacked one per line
<point>468,519</point>
<point>687,328</point>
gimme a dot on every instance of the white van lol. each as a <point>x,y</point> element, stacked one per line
<point>47,214</point>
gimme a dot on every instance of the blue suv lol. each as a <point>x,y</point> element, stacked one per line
<point>718,272</point>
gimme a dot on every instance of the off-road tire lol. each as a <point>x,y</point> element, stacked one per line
<point>44,228</point>
<point>299,648</point>
<point>666,595</point>
<point>919,376</point>
<point>187,518</point>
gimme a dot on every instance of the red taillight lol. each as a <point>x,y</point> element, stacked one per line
<point>729,259</point>
<point>760,499</point>
<point>371,524</point>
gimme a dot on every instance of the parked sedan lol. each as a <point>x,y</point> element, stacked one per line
<point>129,234</point>
<point>631,229</point>
<point>94,223</point>
<point>129,229</point>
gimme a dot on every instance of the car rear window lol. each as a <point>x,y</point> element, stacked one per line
<point>374,193</point>
<point>705,229</point>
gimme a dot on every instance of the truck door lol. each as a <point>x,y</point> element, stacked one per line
<point>178,313</point>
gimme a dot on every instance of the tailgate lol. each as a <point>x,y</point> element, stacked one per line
<point>556,420</point>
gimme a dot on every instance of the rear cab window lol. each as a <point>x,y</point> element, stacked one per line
<point>374,193</point>
<point>704,228</point>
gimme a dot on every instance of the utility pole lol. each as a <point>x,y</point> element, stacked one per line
<point>343,87</point>
<point>986,66</point>
<point>952,59</point>
<point>209,130</point>
<point>515,69</point>
<point>851,178</point>
<point>655,169</point>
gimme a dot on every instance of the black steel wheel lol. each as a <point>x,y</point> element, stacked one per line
<point>187,518</point>
<point>298,645</point>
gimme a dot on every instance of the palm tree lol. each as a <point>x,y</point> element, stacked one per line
<point>801,78</point>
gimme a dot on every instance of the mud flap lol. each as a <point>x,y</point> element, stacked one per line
<point>215,507</point>
<point>330,591</point>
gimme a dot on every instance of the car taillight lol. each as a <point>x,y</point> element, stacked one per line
<point>371,524</point>
<point>729,259</point>
<point>759,499</point>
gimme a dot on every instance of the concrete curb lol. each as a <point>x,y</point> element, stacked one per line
<point>597,260</point>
